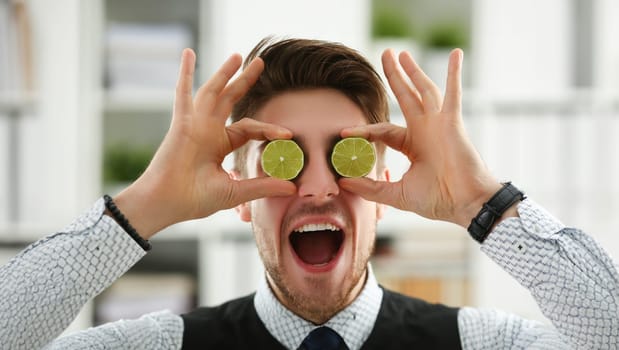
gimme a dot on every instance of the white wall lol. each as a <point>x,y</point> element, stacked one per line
<point>521,48</point>
<point>47,139</point>
<point>237,25</point>
<point>606,45</point>
<point>4,165</point>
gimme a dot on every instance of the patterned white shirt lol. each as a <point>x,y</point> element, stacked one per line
<point>574,281</point>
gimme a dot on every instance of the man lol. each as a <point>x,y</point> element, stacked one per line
<point>315,92</point>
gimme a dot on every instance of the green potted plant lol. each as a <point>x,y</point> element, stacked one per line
<point>439,39</point>
<point>446,35</point>
<point>390,23</point>
<point>391,29</point>
<point>123,164</point>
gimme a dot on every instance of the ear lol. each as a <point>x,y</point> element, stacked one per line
<point>242,209</point>
<point>380,207</point>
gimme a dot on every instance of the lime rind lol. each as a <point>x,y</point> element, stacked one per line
<point>282,159</point>
<point>353,157</point>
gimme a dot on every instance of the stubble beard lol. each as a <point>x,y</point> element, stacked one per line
<point>320,301</point>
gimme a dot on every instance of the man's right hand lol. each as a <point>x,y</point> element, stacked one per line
<point>185,179</point>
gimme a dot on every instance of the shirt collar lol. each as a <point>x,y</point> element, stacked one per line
<point>354,323</point>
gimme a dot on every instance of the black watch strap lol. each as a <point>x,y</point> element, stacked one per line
<point>493,209</point>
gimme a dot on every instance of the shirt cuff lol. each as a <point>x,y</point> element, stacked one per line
<point>520,245</point>
<point>93,241</point>
<point>95,217</point>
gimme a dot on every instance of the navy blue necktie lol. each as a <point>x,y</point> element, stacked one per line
<point>323,338</point>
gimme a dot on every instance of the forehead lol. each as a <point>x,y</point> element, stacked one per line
<point>311,111</point>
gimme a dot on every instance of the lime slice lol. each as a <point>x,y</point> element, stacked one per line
<point>282,159</point>
<point>353,157</point>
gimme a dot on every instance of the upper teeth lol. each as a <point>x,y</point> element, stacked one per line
<point>316,227</point>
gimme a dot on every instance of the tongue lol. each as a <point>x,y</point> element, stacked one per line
<point>316,247</point>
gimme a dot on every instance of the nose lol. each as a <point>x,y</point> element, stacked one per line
<point>318,181</point>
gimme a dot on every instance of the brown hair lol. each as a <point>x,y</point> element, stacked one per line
<point>300,64</point>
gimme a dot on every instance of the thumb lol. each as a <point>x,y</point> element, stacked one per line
<point>250,189</point>
<point>375,191</point>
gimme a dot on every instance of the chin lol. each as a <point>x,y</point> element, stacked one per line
<point>317,296</point>
<point>316,301</point>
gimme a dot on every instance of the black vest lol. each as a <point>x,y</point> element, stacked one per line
<point>402,323</point>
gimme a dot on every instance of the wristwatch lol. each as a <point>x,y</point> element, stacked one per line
<point>493,209</point>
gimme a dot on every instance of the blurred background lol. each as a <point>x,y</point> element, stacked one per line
<point>86,92</point>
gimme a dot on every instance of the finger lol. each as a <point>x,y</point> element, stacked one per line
<point>407,97</point>
<point>430,93</point>
<point>239,87</point>
<point>392,135</point>
<point>250,129</point>
<point>453,92</point>
<point>207,94</point>
<point>375,191</point>
<point>250,189</point>
<point>183,104</point>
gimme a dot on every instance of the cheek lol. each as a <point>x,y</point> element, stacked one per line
<point>268,209</point>
<point>266,217</point>
<point>359,206</point>
<point>363,212</point>
<point>366,230</point>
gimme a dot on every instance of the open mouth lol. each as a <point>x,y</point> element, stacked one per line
<point>317,244</point>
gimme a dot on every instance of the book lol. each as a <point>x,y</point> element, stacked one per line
<point>16,52</point>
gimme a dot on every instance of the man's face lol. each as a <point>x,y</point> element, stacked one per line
<point>315,245</point>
